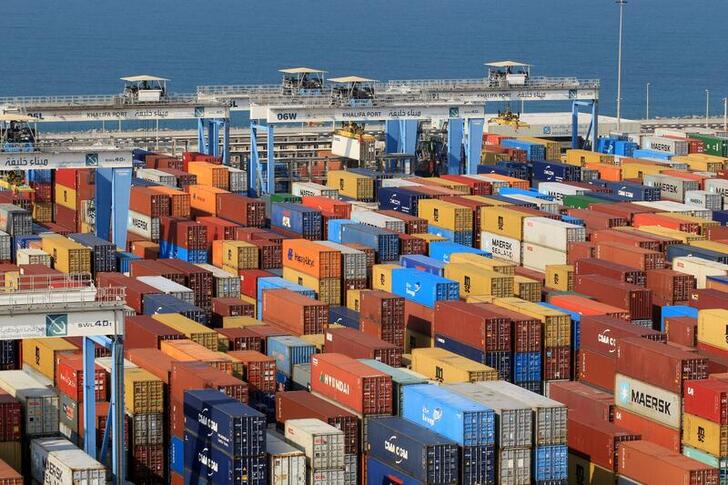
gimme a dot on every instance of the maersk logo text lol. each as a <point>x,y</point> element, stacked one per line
<point>645,400</point>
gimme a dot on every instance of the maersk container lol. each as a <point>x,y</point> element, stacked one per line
<point>552,234</point>
<point>143,225</point>
<point>289,351</point>
<point>679,250</point>
<point>550,463</point>
<point>423,263</point>
<point>206,464</point>
<point>39,451</point>
<point>632,191</point>
<point>297,218</point>
<point>557,190</point>
<point>286,463</point>
<point>423,288</point>
<point>457,237</point>
<point>235,428</point>
<point>552,171</point>
<point>672,146</point>
<point>302,189</point>
<point>526,366</point>
<point>383,241</point>
<point>379,220</point>
<point>399,199</point>
<point>704,199</point>
<point>652,154</point>
<point>465,421</point>
<point>400,380</point>
<point>40,403</point>
<point>502,361</point>
<point>418,452</point>
<point>335,226</point>
<point>671,188</point>
<point>344,316</point>
<point>501,247</point>
<point>379,473</point>
<point>514,421</point>
<point>534,151</point>
<point>442,250</point>
<point>273,282</point>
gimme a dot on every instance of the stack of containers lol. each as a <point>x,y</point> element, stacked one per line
<point>444,366</point>
<point>314,266</point>
<point>353,268</point>
<point>181,239</point>
<point>294,312</point>
<point>67,256</point>
<point>545,241</point>
<point>286,463</point>
<point>73,189</point>
<point>288,352</point>
<point>353,343</point>
<point>324,447</point>
<point>259,371</point>
<point>103,252</point>
<point>352,185</point>
<point>705,417</point>
<point>382,316</point>
<point>145,405</point>
<point>451,221</point>
<point>225,441</point>
<point>384,242</point>
<point>54,460</point>
<point>401,378</point>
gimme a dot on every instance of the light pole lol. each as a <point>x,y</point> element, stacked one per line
<point>621,4</point>
<point>647,115</point>
<point>707,106</point>
<point>725,114</point>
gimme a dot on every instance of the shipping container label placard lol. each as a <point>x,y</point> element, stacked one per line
<point>72,324</point>
<point>648,401</point>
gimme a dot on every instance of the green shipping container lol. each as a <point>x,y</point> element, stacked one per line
<point>581,201</point>
<point>714,145</point>
<point>294,199</point>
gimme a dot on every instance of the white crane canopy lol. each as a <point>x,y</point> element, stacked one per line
<point>351,79</point>
<point>144,77</point>
<point>507,64</point>
<point>301,70</point>
<point>17,117</point>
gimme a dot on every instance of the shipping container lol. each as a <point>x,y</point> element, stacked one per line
<point>40,403</point>
<point>322,443</point>
<point>286,463</point>
<point>445,366</point>
<point>648,463</point>
<point>295,312</point>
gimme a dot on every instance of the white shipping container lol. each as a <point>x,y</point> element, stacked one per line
<point>379,220</point>
<point>501,247</point>
<point>357,205</point>
<point>399,182</point>
<point>226,285</point>
<point>323,444</point>
<point>155,175</point>
<point>327,477</point>
<point>670,132</point>
<point>169,287</point>
<point>237,179</point>
<point>143,225</point>
<point>552,234</point>
<point>675,207</point>
<point>286,463</point>
<point>700,268</point>
<point>717,186</point>
<point>5,244</point>
<point>648,401</point>
<point>32,256</point>
<point>704,199</point>
<point>357,148</point>
<point>557,190</point>
<point>70,467</point>
<point>105,363</point>
<point>302,189</point>
<point>40,403</point>
<point>39,450</point>
<point>666,145</point>
<point>538,257</point>
<point>550,206</point>
<point>671,188</point>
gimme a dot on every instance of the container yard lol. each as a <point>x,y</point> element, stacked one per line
<point>507,309</point>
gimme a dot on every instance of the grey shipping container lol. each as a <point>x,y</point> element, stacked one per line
<point>514,419</point>
<point>671,188</point>
<point>302,375</point>
<point>514,466</point>
<point>169,287</point>
<point>5,243</point>
<point>353,261</point>
<point>40,403</point>
<point>322,443</point>
<point>286,463</point>
<point>225,285</point>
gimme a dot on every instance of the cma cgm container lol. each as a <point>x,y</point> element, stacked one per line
<point>422,454</point>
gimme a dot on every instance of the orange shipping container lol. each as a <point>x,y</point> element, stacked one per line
<point>327,204</point>
<point>612,173</point>
<point>311,258</point>
<point>179,201</point>
<point>648,219</point>
<point>203,199</point>
<point>210,174</point>
<point>189,351</point>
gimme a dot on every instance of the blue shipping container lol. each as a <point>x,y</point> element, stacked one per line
<point>551,171</point>
<point>207,464</point>
<point>459,237</point>
<point>418,452</point>
<point>289,351</point>
<point>169,250</point>
<point>297,218</point>
<point>550,463</point>
<point>424,263</point>
<point>534,151</point>
<point>652,154</point>
<point>334,229</point>
<point>383,241</point>
<point>379,473</point>
<point>344,316</point>
<point>123,261</point>
<point>399,199</point>
<point>676,311</point>
<point>519,203</point>
<point>477,464</point>
<point>526,367</point>
<point>233,427</point>
<point>423,288</point>
<point>632,191</point>
<point>497,360</point>
<point>161,303</point>
<point>519,170</point>
<point>177,455</point>
<point>721,217</point>
<point>442,250</point>
<point>506,191</point>
<point>467,422</point>
<point>679,250</point>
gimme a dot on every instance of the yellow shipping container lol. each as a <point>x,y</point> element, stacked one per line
<point>445,214</point>
<point>527,289</point>
<point>382,276</point>
<point>487,200</point>
<point>41,353</point>
<point>582,157</point>
<point>446,367</point>
<point>584,472</point>
<point>712,327</point>
<point>350,184</point>
<point>194,331</point>
<point>65,197</point>
<point>68,256</point>
<point>353,297</point>
<point>475,280</point>
<point>327,289</point>
<point>710,159</point>
<point>705,435</point>
<point>635,170</point>
<point>240,322</point>
<point>503,221</point>
<point>553,148</point>
<point>449,184</point>
<point>497,265</point>
<point>143,392</point>
<point>416,340</point>
<point>682,236</point>
<point>239,255</point>
<point>43,211</point>
<point>699,164</point>
<point>480,299</point>
<point>317,340</point>
<point>557,325</point>
<point>560,277</point>
<point>703,223</point>
<point>712,245</point>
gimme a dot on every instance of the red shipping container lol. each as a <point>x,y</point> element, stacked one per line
<point>624,237</point>
<point>351,383</point>
<point>539,276</point>
<point>135,289</point>
<point>241,339</point>
<point>218,229</point>
<point>527,332</point>
<point>635,299</point>
<point>146,463</point>
<point>302,405</point>
<point>600,333</point>
<point>477,187</point>
<point>300,314</point>
<point>270,254</point>
<point>152,360</point>
<point>646,462</point>
<point>231,307</point>
<point>596,369</point>
<point>418,318</point>
<point>648,429</point>
<point>190,235</point>
<point>340,209</point>
<point>249,281</point>
<point>69,377</point>
<point>242,210</point>
<point>259,370</point>
<point>148,267</point>
<point>682,330</point>
<point>663,241</point>
<point>195,278</point>
<point>199,375</point>
<point>583,401</point>
<point>599,441</point>
<point>658,364</point>
<point>594,220</point>
<point>413,224</point>
<point>708,399</point>
<point>148,202</point>
<point>265,331</point>
<point>707,299</point>
<point>409,244</point>
<point>626,210</point>
<point>633,256</point>
<point>183,178</point>
<point>716,233</point>
<point>611,270</point>
<point>357,345</point>
<point>670,287</point>
<point>381,314</point>
<point>586,307</point>
<point>557,363</point>
<point>664,221</point>
<point>66,218</point>
<point>476,325</point>
<point>580,250</point>
<point>370,252</point>
<point>11,418</point>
